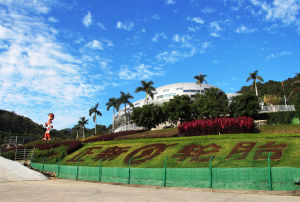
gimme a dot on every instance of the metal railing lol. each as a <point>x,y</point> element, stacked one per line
<point>277,108</point>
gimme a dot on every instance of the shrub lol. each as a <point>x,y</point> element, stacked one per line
<point>278,117</point>
<point>216,126</point>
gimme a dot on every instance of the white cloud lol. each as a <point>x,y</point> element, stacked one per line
<point>187,50</point>
<point>139,72</point>
<point>204,46</point>
<point>38,73</point>
<point>155,17</point>
<point>214,29</point>
<point>284,10</point>
<point>244,30</point>
<point>108,43</point>
<point>52,19</point>
<point>208,10</point>
<point>95,44</point>
<point>87,20</point>
<point>126,26</point>
<point>197,20</point>
<point>170,2</point>
<point>157,36</point>
<point>276,55</point>
<point>181,39</point>
<point>101,26</point>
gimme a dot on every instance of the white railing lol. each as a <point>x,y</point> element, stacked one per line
<point>131,126</point>
<point>277,108</point>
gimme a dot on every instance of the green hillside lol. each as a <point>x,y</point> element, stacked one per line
<point>291,89</point>
<point>236,150</point>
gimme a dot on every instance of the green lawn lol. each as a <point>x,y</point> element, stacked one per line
<point>222,144</point>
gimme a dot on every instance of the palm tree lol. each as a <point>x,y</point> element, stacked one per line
<point>200,79</point>
<point>76,127</point>
<point>96,113</point>
<point>254,76</point>
<point>82,122</point>
<point>115,103</point>
<point>146,87</point>
<point>124,99</point>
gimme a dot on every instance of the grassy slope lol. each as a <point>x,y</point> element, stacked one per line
<point>290,157</point>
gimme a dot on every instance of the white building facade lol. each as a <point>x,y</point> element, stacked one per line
<point>161,95</point>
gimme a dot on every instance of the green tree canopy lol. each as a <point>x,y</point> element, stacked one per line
<point>244,105</point>
<point>94,110</point>
<point>178,109</point>
<point>148,116</point>
<point>124,99</point>
<point>213,103</point>
<point>146,87</point>
<point>254,76</point>
<point>115,103</point>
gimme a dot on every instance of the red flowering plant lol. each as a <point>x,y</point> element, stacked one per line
<point>216,126</point>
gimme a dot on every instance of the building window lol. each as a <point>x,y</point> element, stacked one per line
<point>194,90</point>
<point>136,104</point>
<point>179,88</point>
<point>186,91</point>
<point>166,90</point>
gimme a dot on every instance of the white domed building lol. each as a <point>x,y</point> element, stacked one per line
<point>161,95</point>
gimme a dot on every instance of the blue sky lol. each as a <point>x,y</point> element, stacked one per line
<point>66,56</point>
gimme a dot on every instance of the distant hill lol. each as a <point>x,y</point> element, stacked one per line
<point>14,123</point>
<point>291,86</point>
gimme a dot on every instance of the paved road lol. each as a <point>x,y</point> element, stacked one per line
<point>70,190</point>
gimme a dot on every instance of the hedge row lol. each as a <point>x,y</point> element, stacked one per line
<point>216,126</point>
<point>112,136</point>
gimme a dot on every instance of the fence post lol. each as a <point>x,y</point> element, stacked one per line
<point>32,156</point>
<point>165,175</point>
<point>43,164</point>
<point>100,171</point>
<point>210,172</point>
<point>270,173</point>
<point>129,170</point>
<point>24,153</point>
<point>16,152</point>
<point>58,168</point>
<point>77,169</point>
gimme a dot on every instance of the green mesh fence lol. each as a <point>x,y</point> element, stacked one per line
<point>253,178</point>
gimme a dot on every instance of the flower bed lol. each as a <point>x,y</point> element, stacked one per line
<point>216,126</point>
<point>112,136</point>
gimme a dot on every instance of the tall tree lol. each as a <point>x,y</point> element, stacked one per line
<point>254,76</point>
<point>115,103</point>
<point>82,122</point>
<point>146,87</point>
<point>178,109</point>
<point>200,79</point>
<point>213,103</point>
<point>77,129</point>
<point>124,99</point>
<point>96,113</point>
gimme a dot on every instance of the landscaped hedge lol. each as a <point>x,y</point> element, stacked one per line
<point>112,136</point>
<point>278,117</point>
<point>216,126</point>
